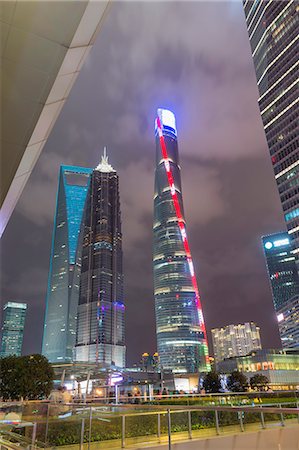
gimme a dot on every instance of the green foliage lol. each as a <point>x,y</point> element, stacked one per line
<point>68,432</point>
<point>28,377</point>
<point>211,382</point>
<point>237,382</point>
<point>10,380</point>
<point>259,382</point>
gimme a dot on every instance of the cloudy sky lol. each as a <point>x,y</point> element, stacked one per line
<point>193,58</point>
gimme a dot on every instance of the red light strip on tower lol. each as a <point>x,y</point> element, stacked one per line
<point>182,228</point>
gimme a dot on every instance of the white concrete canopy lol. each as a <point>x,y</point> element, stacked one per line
<point>43,47</point>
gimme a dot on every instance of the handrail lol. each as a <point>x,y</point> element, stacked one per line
<point>123,411</point>
<point>157,406</point>
<point>274,394</point>
<point>257,409</point>
<point>9,445</point>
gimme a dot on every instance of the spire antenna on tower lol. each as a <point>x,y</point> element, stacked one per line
<point>104,166</point>
<point>105,157</point>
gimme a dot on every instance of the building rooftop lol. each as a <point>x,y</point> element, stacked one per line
<point>104,166</point>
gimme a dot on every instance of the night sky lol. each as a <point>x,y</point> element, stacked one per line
<point>193,58</point>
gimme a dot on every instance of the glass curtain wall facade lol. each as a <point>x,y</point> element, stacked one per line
<point>65,263</point>
<point>100,327</point>
<point>281,266</point>
<point>284,281</point>
<point>13,328</point>
<point>181,336</point>
<point>273,34</point>
<point>288,323</point>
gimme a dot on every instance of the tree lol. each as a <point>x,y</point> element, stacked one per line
<point>259,382</point>
<point>29,377</point>
<point>237,382</point>
<point>211,382</point>
<point>10,379</point>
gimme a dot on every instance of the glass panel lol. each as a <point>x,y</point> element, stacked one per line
<point>141,429</point>
<point>105,428</point>
<point>251,420</point>
<point>203,423</point>
<point>228,422</point>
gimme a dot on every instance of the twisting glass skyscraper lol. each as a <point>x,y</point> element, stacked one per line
<point>64,274</point>
<point>273,33</point>
<point>100,326</point>
<point>180,328</point>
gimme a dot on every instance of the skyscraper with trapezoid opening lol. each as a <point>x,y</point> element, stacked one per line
<point>64,273</point>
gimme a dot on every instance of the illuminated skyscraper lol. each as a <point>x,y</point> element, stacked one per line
<point>288,323</point>
<point>64,273</point>
<point>273,34</point>
<point>281,266</point>
<point>180,328</point>
<point>13,328</point>
<point>284,280</point>
<point>100,327</point>
<point>235,340</point>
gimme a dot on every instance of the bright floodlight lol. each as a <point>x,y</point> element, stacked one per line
<point>268,245</point>
<point>280,317</point>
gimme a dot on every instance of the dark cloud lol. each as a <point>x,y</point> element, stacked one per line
<point>194,58</point>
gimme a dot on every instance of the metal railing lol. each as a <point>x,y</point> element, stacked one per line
<point>79,425</point>
<point>124,398</point>
<point>218,429</point>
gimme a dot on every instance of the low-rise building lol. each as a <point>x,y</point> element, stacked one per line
<point>99,380</point>
<point>281,367</point>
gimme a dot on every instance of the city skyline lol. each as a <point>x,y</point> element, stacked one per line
<point>222,147</point>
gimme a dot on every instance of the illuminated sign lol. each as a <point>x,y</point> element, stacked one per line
<point>280,317</point>
<point>277,243</point>
<point>281,242</point>
<point>268,245</point>
<point>115,378</point>
<point>167,118</point>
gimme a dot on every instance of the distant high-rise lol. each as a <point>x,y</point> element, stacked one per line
<point>235,340</point>
<point>13,328</point>
<point>100,327</point>
<point>64,273</point>
<point>281,267</point>
<point>273,34</point>
<point>284,280</point>
<point>181,336</point>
